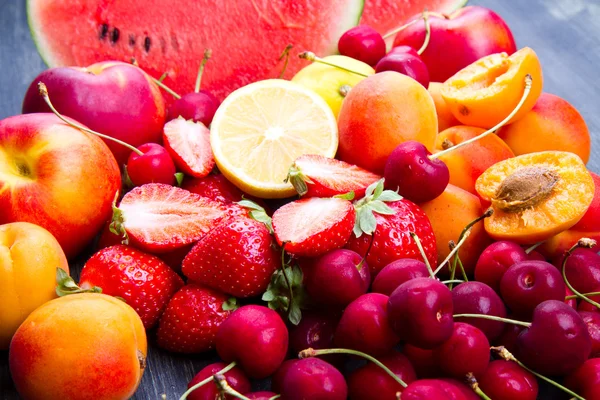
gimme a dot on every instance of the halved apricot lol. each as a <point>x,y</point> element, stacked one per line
<point>536,195</point>
<point>485,92</point>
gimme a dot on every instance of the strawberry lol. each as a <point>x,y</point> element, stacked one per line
<point>188,144</point>
<point>320,176</point>
<point>237,257</point>
<point>390,219</point>
<point>215,187</point>
<point>158,218</point>
<point>189,323</point>
<point>144,281</point>
<point>314,226</point>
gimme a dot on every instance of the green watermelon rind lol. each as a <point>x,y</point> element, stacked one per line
<point>352,16</point>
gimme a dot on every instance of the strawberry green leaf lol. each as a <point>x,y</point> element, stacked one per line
<point>378,189</point>
<point>125,179</point>
<point>65,285</point>
<point>389,195</point>
<point>230,305</point>
<point>346,196</point>
<point>257,213</point>
<point>179,178</point>
<point>366,220</point>
<point>116,224</point>
<point>288,300</point>
<point>380,207</point>
<point>298,180</point>
<point>295,314</point>
<point>371,188</point>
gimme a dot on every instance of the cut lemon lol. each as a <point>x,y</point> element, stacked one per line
<point>260,129</point>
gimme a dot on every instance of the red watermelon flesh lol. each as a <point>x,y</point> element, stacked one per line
<point>246,36</point>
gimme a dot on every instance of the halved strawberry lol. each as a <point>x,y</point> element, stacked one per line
<point>188,144</point>
<point>159,218</point>
<point>314,226</point>
<point>320,176</point>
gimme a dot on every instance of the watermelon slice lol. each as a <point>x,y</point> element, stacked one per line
<point>246,36</point>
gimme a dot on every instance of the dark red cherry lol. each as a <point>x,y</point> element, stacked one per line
<point>396,273</point>
<point>404,50</point>
<point>592,320</point>
<point>536,255</point>
<point>585,380</point>
<point>466,351</point>
<point>438,389</point>
<point>316,331</point>
<point>495,260</point>
<point>277,377</point>
<point>417,177</point>
<point>573,301</point>
<point>407,64</point>
<point>509,336</point>
<point>582,270</point>
<point>155,165</point>
<point>313,378</point>
<point>235,378</point>
<point>260,395</point>
<point>423,361</point>
<point>507,380</point>
<point>362,43</point>
<point>420,312</point>
<point>198,107</point>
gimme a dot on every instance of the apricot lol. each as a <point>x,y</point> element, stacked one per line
<point>29,256</point>
<point>381,112</point>
<point>445,117</point>
<point>535,196</point>
<point>449,213</point>
<point>467,163</point>
<point>81,346</point>
<point>552,124</point>
<point>484,93</point>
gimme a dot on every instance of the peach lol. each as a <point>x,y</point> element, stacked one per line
<point>381,112</point>
<point>449,213</point>
<point>29,256</point>
<point>81,346</point>
<point>445,117</point>
<point>552,124</point>
<point>467,163</point>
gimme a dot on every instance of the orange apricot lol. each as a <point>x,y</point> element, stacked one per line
<point>485,92</point>
<point>467,163</point>
<point>381,112</point>
<point>449,213</point>
<point>552,124</point>
<point>445,117</point>
<point>535,196</point>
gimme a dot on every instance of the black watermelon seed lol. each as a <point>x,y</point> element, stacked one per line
<point>103,31</point>
<point>147,43</point>
<point>114,37</point>
<point>131,40</point>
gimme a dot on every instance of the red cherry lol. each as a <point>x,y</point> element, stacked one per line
<point>582,270</point>
<point>495,260</point>
<point>405,63</point>
<point>362,43</point>
<point>585,380</point>
<point>396,273</point>
<point>235,378</point>
<point>313,378</point>
<point>198,107</point>
<point>507,380</point>
<point>155,165</point>
<point>260,395</point>
<point>466,351</point>
<point>316,331</point>
<point>592,320</point>
<point>423,361</point>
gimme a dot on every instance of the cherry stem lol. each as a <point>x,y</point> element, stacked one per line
<point>494,318</point>
<point>535,246</point>
<point>453,281</point>
<point>461,5</point>
<point>472,381</point>
<point>225,388</point>
<point>205,58</point>
<point>310,56</point>
<point>586,243</point>
<point>456,261</point>
<point>275,397</point>
<point>165,88</point>
<point>422,251</point>
<point>207,380</point>
<point>528,82</point>
<point>285,54</point>
<point>427,33</point>
<point>401,28</point>
<point>313,353</point>
<point>43,90</point>
<point>163,76</point>
<point>506,355</point>
<point>364,259</point>
<point>451,254</point>
<point>574,296</point>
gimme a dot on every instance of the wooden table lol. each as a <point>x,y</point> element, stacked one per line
<point>565,35</point>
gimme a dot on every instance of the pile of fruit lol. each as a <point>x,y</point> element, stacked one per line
<point>410,220</point>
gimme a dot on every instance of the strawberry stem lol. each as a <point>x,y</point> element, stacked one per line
<point>310,56</point>
<point>427,33</point>
<point>298,180</point>
<point>285,54</point>
<point>494,318</point>
<point>586,243</point>
<point>205,58</point>
<point>422,251</point>
<point>207,380</point>
<point>225,388</point>
<point>472,382</point>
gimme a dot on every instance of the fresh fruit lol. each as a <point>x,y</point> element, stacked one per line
<point>215,187</point>
<point>316,331</point>
<point>82,343</point>
<point>235,378</point>
<point>495,260</point>
<point>29,257</point>
<point>313,378</point>
<point>314,226</point>
<point>535,196</point>
<point>237,257</point>
<point>188,143</point>
<point>144,281</point>
<point>113,98</point>
<point>396,273</point>
<point>191,320</point>
<point>439,389</point>
<point>405,60</point>
<point>45,168</point>
<point>261,395</point>
<point>154,166</point>
<point>260,130</point>
<point>381,112</point>
<point>552,124</point>
<point>160,42</point>
<point>362,43</point>
<point>445,117</point>
<point>507,380</point>
<point>466,351</point>
<point>457,39</point>
<point>319,176</point>
<point>485,92</point>
<point>159,218</point>
<point>423,361</point>
<point>585,380</point>
<point>242,338</point>
<point>592,320</point>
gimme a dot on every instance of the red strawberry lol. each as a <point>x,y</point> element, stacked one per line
<point>237,257</point>
<point>188,144</point>
<point>314,226</point>
<point>320,176</point>
<point>160,218</point>
<point>142,280</point>
<point>215,187</point>
<point>191,319</point>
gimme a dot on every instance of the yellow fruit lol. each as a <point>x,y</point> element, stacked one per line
<point>260,129</point>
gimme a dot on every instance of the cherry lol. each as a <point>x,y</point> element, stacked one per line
<point>457,390</point>
<point>365,326</point>
<point>256,338</point>
<point>420,312</point>
<point>509,336</point>
<point>557,341</point>
<point>536,255</point>
<point>423,361</point>
<point>277,378</point>
<point>315,330</point>
<point>585,306</point>
<point>313,378</point>
<point>495,260</point>
<point>260,395</point>
<point>407,63</point>
<point>337,278</point>
<point>507,380</point>
<point>478,298</point>
<point>372,383</point>
<point>585,380</point>
<point>571,299</point>
<point>404,50</point>
<point>592,320</point>
<point>582,270</point>
<point>466,351</point>
<point>235,378</point>
<point>438,389</point>
<point>528,283</point>
<point>396,273</point>
<point>362,43</point>
<point>154,165</point>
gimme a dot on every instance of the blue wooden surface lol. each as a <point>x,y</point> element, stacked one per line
<point>565,35</point>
